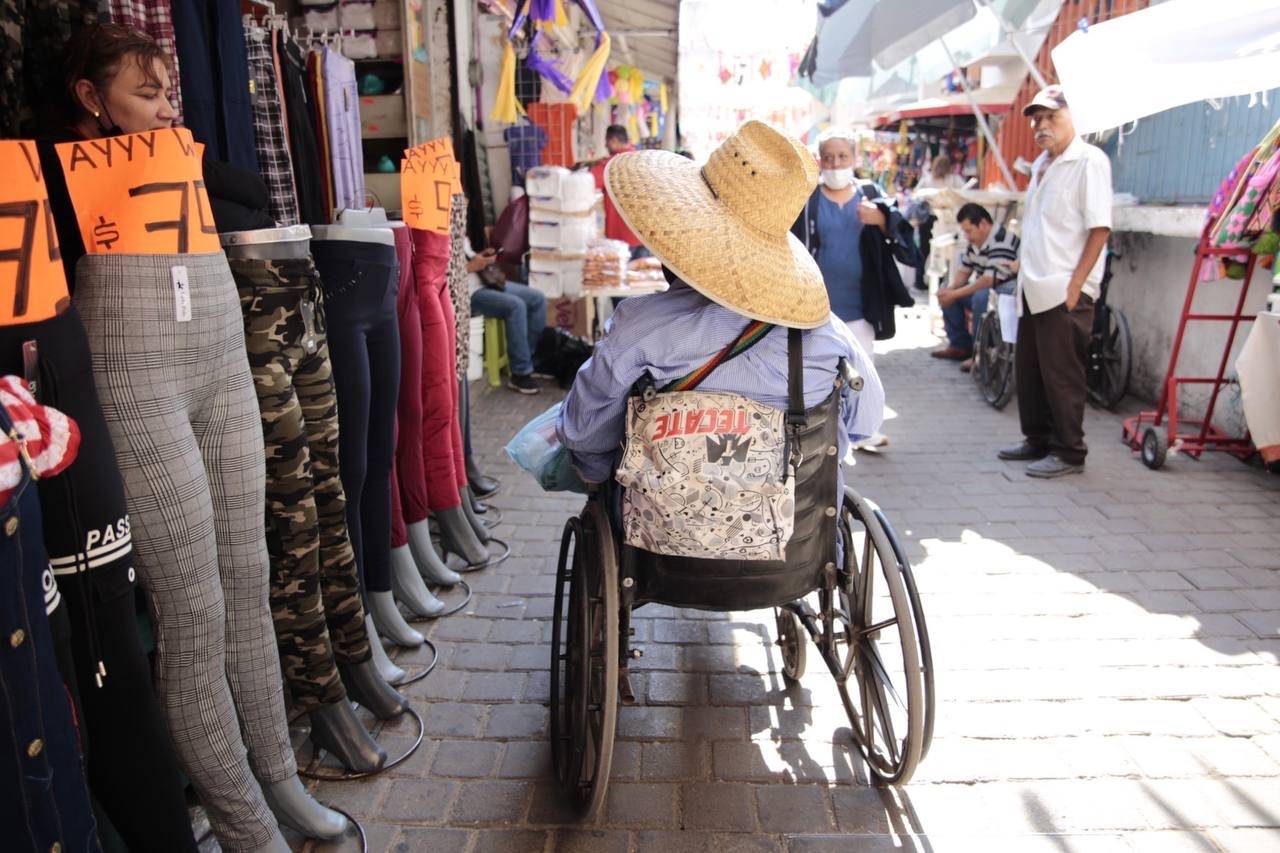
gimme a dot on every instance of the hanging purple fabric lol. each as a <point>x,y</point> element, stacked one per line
<point>542,10</point>
<point>546,67</point>
<point>604,90</point>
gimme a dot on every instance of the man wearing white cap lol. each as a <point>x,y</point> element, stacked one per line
<point>722,231</point>
<point>1064,231</point>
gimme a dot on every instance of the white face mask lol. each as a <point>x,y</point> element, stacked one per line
<point>837,179</point>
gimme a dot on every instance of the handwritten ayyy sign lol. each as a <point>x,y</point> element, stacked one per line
<point>33,286</point>
<point>140,194</point>
<point>429,176</point>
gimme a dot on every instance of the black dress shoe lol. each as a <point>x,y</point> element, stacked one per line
<point>1023,452</point>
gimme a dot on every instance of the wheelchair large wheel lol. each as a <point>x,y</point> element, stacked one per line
<point>584,660</point>
<point>1110,357</point>
<point>877,659</point>
<point>993,363</point>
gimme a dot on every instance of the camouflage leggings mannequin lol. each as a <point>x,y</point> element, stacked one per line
<point>315,592</point>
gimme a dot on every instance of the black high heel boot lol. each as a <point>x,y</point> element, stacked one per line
<point>366,686</point>
<point>484,486</point>
<point>337,730</point>
<point>457,537</point>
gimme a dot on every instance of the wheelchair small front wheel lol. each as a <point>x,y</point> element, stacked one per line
<point>791,643</point>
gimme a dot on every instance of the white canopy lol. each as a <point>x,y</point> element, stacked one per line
<point>1175,53</point>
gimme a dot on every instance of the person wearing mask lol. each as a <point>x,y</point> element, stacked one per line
<point>1064,231</point>
<point>856,235</point>
<point>616,141</point>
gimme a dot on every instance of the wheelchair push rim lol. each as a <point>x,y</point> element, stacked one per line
<point>584,661</point>
<point>875,650</point>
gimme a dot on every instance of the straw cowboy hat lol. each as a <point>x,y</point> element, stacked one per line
<point>725,228</point>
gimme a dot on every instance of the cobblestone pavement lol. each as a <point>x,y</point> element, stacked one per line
<point>1106,647</point>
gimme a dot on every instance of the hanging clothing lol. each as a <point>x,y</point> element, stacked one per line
<point>315,585</point>
<point>557,122</point>
<point>441,432</point>
<point>178,398</point>
<point>33,36</point>
<point>316,90</point>
<point>46,806</point>
<point>268,129</point>
<point>360,285</point>
<point>459,287</point>
<point>524,143</point>
<point>301,119</point>
<point>132,768</point>
<point>342,115</point>
<point>215,90</point>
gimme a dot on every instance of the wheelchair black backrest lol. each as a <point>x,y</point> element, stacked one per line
<point>734,584</point>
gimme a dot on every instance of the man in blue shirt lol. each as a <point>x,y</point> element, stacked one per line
<point>722,232</point>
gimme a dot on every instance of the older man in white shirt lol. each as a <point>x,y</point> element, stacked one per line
<point>1065,227</point>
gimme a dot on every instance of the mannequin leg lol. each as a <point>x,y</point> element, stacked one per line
<point>229,431</point>
<point>390,673</point>
<point>173,526</point>
<point>383,345</point>
<point>339,575</point>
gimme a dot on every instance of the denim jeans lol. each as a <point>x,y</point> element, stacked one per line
<point>958,335</point>
<point>524,310</point>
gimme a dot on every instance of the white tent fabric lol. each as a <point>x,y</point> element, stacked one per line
<point>854,34</point>
<point>1175,53</point>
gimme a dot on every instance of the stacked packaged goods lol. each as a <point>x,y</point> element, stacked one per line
<point>561,227</point>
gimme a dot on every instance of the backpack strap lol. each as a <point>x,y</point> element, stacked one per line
<point>796,417</point>
<point>753,334</point>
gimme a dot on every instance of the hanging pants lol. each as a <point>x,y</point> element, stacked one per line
<point>408,478</point>
<point>132,769</point>
<point>45,801</point>
<point>216,99</point>
<point>360,283</point>
<point>444,464</point>
<point>315,585</point>
<point>178,399</point>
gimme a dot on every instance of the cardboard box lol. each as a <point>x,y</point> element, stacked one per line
<point>576,316</point>
<point>383,117</point>
<point>384,189</point>
<point>390,42</point>
<point>386,14</point>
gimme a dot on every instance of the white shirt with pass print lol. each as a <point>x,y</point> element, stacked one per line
<point>1066,198</point>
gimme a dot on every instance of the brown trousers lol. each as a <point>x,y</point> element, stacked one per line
<point>1049,367</point>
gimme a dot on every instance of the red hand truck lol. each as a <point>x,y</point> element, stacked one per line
<point>1147,432</point>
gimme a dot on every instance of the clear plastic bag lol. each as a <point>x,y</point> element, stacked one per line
<point>537,449</point>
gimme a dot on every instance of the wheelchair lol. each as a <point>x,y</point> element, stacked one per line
<point>868,625</point>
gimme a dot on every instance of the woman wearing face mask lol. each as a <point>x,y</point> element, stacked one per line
<point>855,235</point>
<point>846,226</point>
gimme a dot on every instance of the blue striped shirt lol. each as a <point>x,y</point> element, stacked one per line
<point>669,334</point>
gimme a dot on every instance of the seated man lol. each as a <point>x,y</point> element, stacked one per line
<point>991,256</point>
<point>722,232</point>
<point>522,309</point>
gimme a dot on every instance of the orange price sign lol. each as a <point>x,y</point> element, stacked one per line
<point>33,286</point>
<point>427,177</point>
<point>140,194</point>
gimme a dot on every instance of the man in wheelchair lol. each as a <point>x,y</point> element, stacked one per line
<point>712,420</point>
<point>740,282</point>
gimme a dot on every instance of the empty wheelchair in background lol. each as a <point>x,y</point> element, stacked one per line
<point>867,623</point>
